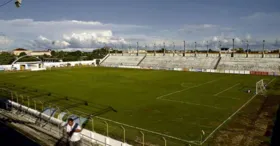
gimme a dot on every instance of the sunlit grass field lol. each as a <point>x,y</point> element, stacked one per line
<point>178,104</point>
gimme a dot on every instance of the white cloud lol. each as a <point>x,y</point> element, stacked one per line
<point>44,43</point>
<point>95,39</point>
<point>65,33</point>
<point>74,34</point>
<point>5,41</point>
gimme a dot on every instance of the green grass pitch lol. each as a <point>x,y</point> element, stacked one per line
<point>179,104</point>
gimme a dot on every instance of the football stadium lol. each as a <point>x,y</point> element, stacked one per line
<point>150,99</point>
<point>139,73</point>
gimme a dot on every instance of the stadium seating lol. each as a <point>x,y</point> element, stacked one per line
<point>252,64</point>
<point>179,62</point>
<point>199,62</point>
<point>122,60</point>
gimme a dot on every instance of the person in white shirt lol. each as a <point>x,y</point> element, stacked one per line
<point>73,131</point>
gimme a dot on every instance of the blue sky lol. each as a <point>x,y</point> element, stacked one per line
<point>60,24</point>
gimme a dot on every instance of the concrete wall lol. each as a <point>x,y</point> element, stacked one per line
<point>239,55</point>
<point>254,55</point>
<point>271,55</point>
<point>226,55</point>
<point>49,64</point>
<point>213,55</point>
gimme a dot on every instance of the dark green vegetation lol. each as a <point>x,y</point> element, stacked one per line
<point>7,58</point>
<point>78,55</point>
<point>179,104</point>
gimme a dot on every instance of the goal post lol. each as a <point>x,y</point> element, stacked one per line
<point>260,87</point>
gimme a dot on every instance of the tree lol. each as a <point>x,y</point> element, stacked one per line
<point>22,54</point>
<point>75,53</point>
<point>53,53</point>
<point>99,53</point>
<point>60,54</point>
<point>70,58</point>
<point>6,58</point>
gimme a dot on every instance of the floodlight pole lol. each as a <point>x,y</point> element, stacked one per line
<point>146,49</point>
<point>137,49</point>
<point>122,49</point>
<point>263,48</point>
<point>115,49</point>
<point>184,54</point>
<point>154,49</point>
<point>163,48</point>
<point>247,50</point>
<point>220,45</point>
<point>173,49</point>
<point>232,44</point>
<point>247,46</point>
<point>129,49</point>
<point>207,45</point>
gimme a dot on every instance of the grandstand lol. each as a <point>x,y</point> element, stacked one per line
<point>248,62</point>
<point>252,64</point>
<point>132,60</point>
<point>178,61</point>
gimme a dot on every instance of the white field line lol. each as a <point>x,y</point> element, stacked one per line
<point>160,97</point>
<point>190,103</point>
<point>234,98</point>
<point>226,89</point>
<point>231,116</point>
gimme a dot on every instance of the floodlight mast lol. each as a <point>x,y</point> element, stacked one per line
<point>18,3</point>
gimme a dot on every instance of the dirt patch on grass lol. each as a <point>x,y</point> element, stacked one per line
<point>252,126</point>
